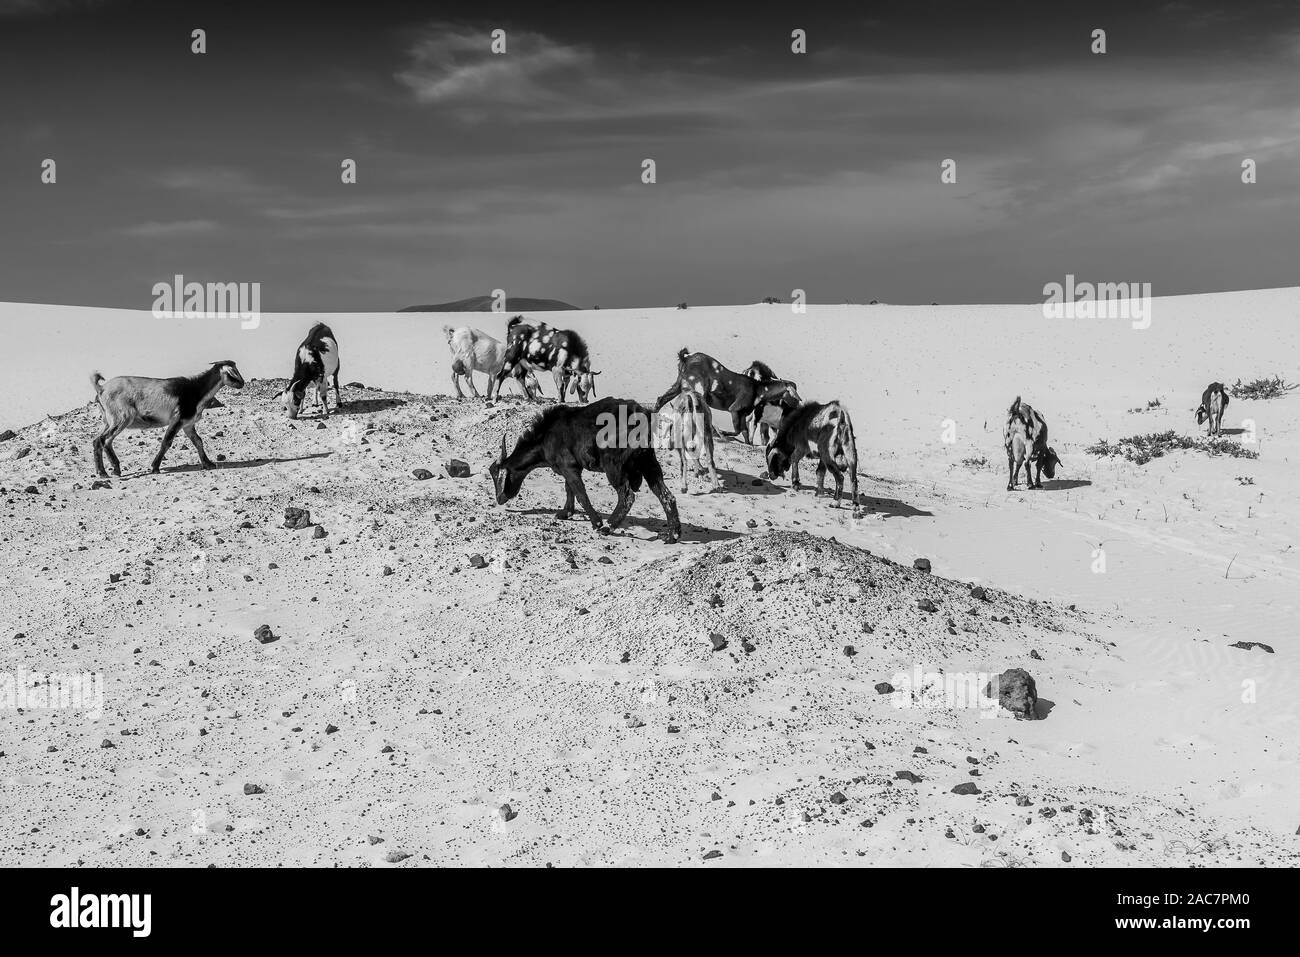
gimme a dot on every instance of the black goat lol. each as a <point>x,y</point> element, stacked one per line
<point>315,363</point>
<point>744,395</point>
<point>612,436</point>
<point>825,431</point>
<point>540,346</point>
<point>137,402</point>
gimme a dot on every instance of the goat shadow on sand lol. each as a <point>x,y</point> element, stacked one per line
<point>690,532</point>
<point>740,483</point>
<point>1043,708</point>
<point>242,464</point>
<point>1063,485</point>
<point>361,407</point>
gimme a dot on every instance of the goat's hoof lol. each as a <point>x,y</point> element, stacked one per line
<point>604,528</point>
<point>563,516</point>
<point>671,536</point>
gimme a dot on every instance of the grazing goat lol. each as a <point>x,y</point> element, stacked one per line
<point>687,426</point>
<point>562,351</point>
<point>1025,437</point>
<point>822,430</point>
<point>315,363</point>
<point>742,395</point>
<point>473,350</point>
<point>610,436</point>
<point>137,402</point>
<point>1213,401</point>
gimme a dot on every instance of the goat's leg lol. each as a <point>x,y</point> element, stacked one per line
<point>323,393</point>
<point>673,533</point>
<point>1012,468</point>
<point>561,381</point>
<point>192,434</point>
<point>821,478</point>
<point>166,444</point>
<point>625,499</point>
<point>681,460</point>
<point>112,434</point>
<point>838,476</point>
<point>469,380</point>
<point>566,513</point>
<point>98,446</point>
<point>795,458</point>
<point>338,393</point>
<point>579,491</point>
<point>455,380</point>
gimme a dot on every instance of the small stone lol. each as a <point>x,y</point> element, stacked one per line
<point>718,641</point>
<point>921,564</point>
<point>388,570</point>
<point>966,787</point>
<point>330,729</point>
<point>849,651</point>
<point>297,518</point>
<point>253,789</point>
<point>749,524</point>
<point>422,474</point>
<point>319,532</point>
<point>477,561</point>
<point>977,591</point>
<point>907,776</point>
<point>107,744</point>
<point>507,813</point>
<point>374,840</point>
<point>1065,856</point>
<point>712,855</point>
<point>262,634</point>
<point>457,468</point>
<point>884,687</point>
<point>1247,645</point>
<point>395,857</point>
<point>634,722</point>
<point>838,798</point>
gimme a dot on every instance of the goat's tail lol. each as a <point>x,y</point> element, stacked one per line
<point>448,331</point>
<point>97,382</point>
<point>682,354</point>
<point>1015,407</point>
<point>844,446</point>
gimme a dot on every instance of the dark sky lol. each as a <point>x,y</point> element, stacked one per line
<point>522,171</point>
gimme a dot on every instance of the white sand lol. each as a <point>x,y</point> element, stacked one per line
<point>1153,728</point>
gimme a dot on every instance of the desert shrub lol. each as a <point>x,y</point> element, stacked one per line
<point>975,462</point>
<point>1141,449</point>
<point>1261,388</point>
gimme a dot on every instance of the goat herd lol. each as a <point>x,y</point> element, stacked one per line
<point>614,436</point>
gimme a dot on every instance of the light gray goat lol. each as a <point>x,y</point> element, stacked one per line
<point>137,402</point>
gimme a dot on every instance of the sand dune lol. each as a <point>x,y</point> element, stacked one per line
<point>574,677</point>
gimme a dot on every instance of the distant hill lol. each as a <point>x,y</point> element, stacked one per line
<point>484,304</point>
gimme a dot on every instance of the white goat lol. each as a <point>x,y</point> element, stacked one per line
<point>137,402</point>
<point>473,350</point>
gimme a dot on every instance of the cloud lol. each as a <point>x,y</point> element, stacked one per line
<point>459,68</point>
<point>154,229</point>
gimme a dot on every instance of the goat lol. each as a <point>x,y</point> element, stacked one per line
<point>742,395</point>
<point>766,417</point>
<point>688,428</point>
<point>473,350</point>
<point>562,351</point>
<point>314,364</point>
<point>137,402</point>
<point>1213,401</point>
<point>822,430</point>
<point>1025,437</point>
<point>569,439</point>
